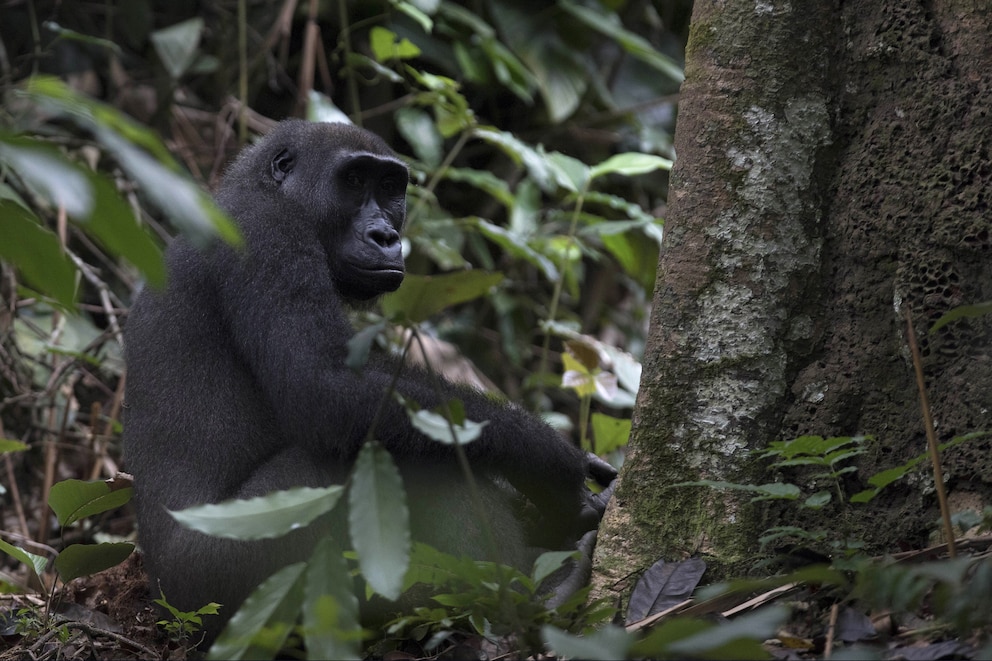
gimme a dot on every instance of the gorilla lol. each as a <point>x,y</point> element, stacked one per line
<point>237,384</point>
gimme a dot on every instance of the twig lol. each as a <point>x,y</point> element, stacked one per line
<point>938,477</point>
<point>828,647</point>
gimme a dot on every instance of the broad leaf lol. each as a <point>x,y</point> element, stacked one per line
<point>72,500</point>
<point>35,562</point>
<point>610,642</point>
<point>360,345</point>
<point>263,517</point>
<point>379,520</point>
<point>662,586</point>
<point>276,602</point>
<point>331,628</point>
<point>610,433</point>
<point>437,427</point>
<point>86,559</point>
<point>773,490</point>
<point>36,253</point>
<point>10,445</point>
<point>421,296</point>
<point>630,164</point>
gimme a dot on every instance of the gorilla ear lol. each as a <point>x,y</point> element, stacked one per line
<point>282,165</point>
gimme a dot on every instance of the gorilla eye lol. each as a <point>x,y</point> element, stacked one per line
<point>391,186</point>
<point>352,180</point>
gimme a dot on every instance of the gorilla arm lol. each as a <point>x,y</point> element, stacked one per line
<point>290,327</point>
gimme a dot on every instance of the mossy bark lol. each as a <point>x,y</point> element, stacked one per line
<point>832,169</point>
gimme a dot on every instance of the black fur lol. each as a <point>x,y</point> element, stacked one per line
<point>236,381</point>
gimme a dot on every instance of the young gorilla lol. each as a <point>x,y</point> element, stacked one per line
<point>237,384</point>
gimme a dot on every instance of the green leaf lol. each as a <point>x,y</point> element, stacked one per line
<point>36,253</point>
<point>436,427</point>
<point>539,165</point>
<point>263,517</point>
<point>775,490</point>
<point>610,642</point>
<point>143,156</point>
<point>276,601</point>
<point>630,164</point>
<point>177,44</point>
<point>87,559</point>
<point>331,629</point>
<point>386,46</point>
<point>570,173</point>
<point>417,128</point>
<point>35,562</point>
<point>962,312</point>
<point>483,180</point>
<point>738,638</point>
<point>548,563</point>
<point>72,500</point>
<point>379,520</point>
<point>10,445</point>
<point>516,246</point>
<point>817,500</point>
<point>421,296</point>
<point>46,171</point>
<point>634,44</point>
<point>72,35</point>
<point>610,433</point>
<point>320,108</point>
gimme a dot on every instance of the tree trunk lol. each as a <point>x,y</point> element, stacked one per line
<point>833,173</point>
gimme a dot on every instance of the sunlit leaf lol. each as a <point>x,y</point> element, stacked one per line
<point>10,445</point>
<point>379,520</point>
<point>387,46</point>
<point>263,517</point>
<point>630,164</point>
<point>417,128</point>
<point>436,427</point>
<point>610,433</point>
<point>320,108</point>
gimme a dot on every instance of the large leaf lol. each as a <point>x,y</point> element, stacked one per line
<point>46,171</point>
<point>662,586</point>
<point>88,198</point>
<point>420,296</point>
<point>609,25</point>
<point>379,520</point>
<point>72,500</point>
<point>609,433</point>
<point>607,643</point>
<point>516,245</point>
<point>143,156</point>
<point>331,628</point>
<point>36,253</point>
<point>276,601</point>
<point>86,559</point>
<point>630,164</point>
<point>263,517</point>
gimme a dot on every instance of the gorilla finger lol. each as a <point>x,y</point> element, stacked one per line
<point>600,470</point>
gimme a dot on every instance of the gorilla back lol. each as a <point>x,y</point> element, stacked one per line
<point>237,384</point>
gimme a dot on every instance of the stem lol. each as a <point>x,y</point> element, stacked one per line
<point>438,173</point>
<point>945,512</point>
<point>243,73</point>
<point>556,296</point>
<point>356,108</point>
<point>585,405</point>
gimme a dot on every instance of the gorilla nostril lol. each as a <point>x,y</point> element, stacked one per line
<point>384,237</point>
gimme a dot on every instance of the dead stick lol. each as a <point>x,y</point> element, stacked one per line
<point>828,647</point>
<point>938,476</point>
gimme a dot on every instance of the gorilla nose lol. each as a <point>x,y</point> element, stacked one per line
<point>384,237</point>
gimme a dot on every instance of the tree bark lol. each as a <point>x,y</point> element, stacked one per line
<point>833,171</point>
